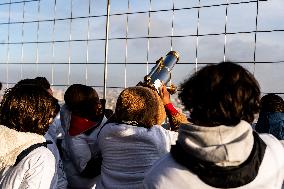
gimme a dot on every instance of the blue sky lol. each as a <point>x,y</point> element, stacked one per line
<point>239,47</point>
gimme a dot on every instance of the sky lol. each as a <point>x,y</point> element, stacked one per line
<point>21,56</point>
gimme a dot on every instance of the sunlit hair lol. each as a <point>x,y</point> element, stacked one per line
<point>221,94</point>
<point>272,103</point>
<point>83,101</point>
<point>140,105</point>
<point>28,108</point>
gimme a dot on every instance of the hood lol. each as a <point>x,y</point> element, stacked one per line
<point>12,143</point>
<point>222,145</point>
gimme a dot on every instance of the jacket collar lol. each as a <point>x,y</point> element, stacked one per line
<point>12,143</point>
<point>221,145</point>
<point>223,176</point>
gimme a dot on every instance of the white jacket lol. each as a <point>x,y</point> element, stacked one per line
<point>224,146</point>
<point>129,151</point>
<point>77,151</point>
<point>34,171</point>
<point>59,180</point>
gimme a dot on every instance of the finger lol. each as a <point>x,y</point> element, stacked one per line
<point>160,90</point>
<point>164,88</point>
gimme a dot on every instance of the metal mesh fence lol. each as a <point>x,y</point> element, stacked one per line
<point>113,44</point>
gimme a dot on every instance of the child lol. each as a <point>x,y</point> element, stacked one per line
<point>82,117</point>
<point>25,114</point>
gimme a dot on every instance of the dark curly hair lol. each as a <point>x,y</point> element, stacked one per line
<point>84,101</point>
<point>221,94</point>
<point>28,108</point>
<point>271,103</point>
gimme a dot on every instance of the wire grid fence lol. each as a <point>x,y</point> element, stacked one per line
<point>113,44</point>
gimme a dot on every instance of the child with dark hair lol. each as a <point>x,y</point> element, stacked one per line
<point>54,134</point>
<point>55,130</point>
<point>220,149</point>
<point>82,117</point>
<point>25,114</point>
<point>271,116</point>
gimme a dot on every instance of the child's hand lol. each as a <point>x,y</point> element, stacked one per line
<point>164,94</point>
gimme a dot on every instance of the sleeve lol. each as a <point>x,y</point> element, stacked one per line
<point>80,152</point>
<point>40,166</point>
<point>62,180</point>
<point>175,117</point>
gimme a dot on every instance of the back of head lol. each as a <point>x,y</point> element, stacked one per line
<point>140,106</point>
<point>43,82</point>
<point>28,108</point>
<point>83,101</point>
<point>221,94</point>
<point>271,115</point>
<point>40,81</point>
<point>272,103</point>
<point>26,82</point>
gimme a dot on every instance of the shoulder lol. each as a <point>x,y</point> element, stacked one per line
<point>274,151</point>
<point>272,142</point>
<point>42,153</point>
<point>109,128</point>
<point>282,142</point>
<point>39,166</point>
<point>121,129</point>
<point>170,136</point>
<point>165,173</point>
<point>161,129</point>
<point>129,132</point>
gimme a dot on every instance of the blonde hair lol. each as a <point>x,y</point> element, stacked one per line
<point>140,105</point>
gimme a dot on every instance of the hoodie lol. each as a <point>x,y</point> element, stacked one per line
<point>225,148</point>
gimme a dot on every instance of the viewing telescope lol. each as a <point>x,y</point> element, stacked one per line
<point>161,73</point>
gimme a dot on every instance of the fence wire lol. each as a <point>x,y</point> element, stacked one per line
<point>56,63</point>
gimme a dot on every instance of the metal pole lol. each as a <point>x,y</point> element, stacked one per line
<point>8,47</point>
<point>255,34</point>
<point>106,48</point>
<point>225,37</point>
<point>197,35</point>
<point>126,46</point>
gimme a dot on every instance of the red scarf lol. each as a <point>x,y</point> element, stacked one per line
<point>79,125</point>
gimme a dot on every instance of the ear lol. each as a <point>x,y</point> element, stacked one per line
<point>99,110</point>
